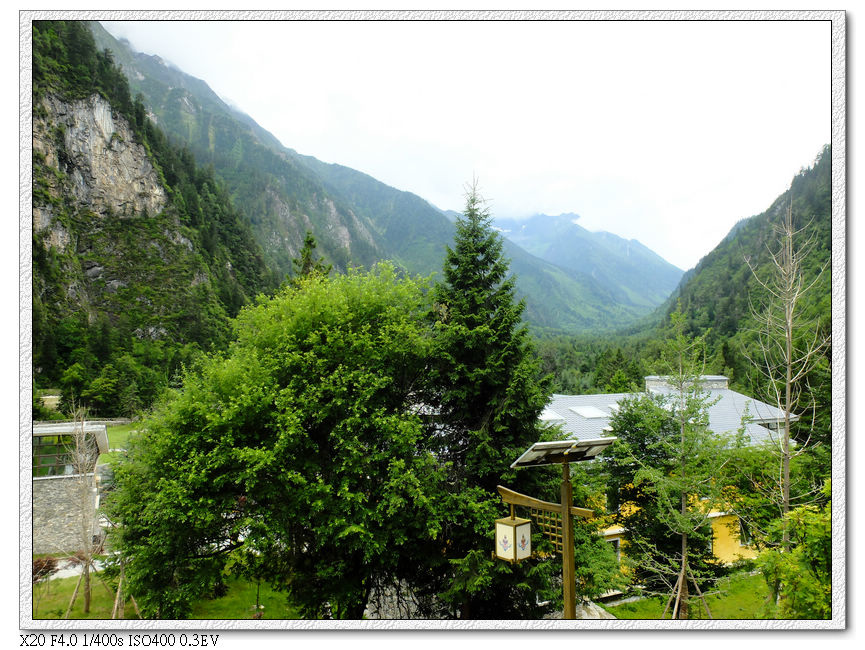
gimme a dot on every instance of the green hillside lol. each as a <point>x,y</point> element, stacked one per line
<point>278,195</point>
<point>633,274</point>
<point>716,298</point>
<point>123,294</point>
<point>356,219</point>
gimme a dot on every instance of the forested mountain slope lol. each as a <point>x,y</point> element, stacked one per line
<point>717,299</point>
<point>280,196</point>
<point>633,274</point>
<point>356,219</point>
<point>139,257</point>
<point>718,293</point>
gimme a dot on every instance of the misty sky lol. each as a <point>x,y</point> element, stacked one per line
<point>663,131</point>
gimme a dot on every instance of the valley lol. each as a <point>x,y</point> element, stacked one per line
<point>329,376</point>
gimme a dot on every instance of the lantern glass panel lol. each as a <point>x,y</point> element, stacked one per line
<point>513,539</point>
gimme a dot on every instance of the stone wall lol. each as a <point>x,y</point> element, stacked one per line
<point>57,513</point>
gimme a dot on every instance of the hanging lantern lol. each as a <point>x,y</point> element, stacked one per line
<point>513,539</point>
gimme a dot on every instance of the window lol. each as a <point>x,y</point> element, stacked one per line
<point>52,455</point>
<point>550,415</point>
<point>617,548</point>
<point>589,412</point>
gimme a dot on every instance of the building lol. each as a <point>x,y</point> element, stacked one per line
<point>586,417</point>
<point>65,497</point>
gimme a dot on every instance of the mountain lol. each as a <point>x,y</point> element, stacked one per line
<point>356,219</point>
<point>717,294</point>
<point>723,290</point>
<point>139,257</point>
<point>280,196</point>
<point>415,234</point>
<point>633,274</point>
<point>717,298</point>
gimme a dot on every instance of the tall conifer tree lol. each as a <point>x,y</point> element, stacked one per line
<point>488,399</point>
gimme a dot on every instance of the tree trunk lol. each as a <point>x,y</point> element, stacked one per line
<point>683,585</point>
<point>785,448</point>
<point>74,596</point>
<point>87,592</point>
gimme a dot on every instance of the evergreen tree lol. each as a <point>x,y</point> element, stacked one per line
<point>306,264</point>
<point>488,397</point>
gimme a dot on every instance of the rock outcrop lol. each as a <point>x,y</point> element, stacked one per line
<point>109,172</point>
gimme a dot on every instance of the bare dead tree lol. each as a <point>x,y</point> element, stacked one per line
<point>83,453</point>
<point>789,343</point>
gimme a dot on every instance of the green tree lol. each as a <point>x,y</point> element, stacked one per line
<point>298,456</point>
<point>306,263</point>
<point>752,484</point>
<point>72,383</point>
<point>800,579</point>
<point>666,467</point>
<point>487,392</point>
<point>103,393</point>
<point>616,375</point>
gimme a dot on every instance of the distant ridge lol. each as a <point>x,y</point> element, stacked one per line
<point>631,272</point>
<point>356,219</point>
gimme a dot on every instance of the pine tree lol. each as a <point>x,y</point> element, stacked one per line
<point>488,397</point>
<point>306,264</point>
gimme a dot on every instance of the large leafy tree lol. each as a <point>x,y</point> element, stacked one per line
<point>297,457</point>
<point>488,395</point>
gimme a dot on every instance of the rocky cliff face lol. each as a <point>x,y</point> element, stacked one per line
<point>107,172</point>
<point>102,227</point>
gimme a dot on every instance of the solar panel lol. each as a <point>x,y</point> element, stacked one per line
<point>562,451</point>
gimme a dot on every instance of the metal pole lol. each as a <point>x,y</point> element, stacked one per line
<point>568,580</point>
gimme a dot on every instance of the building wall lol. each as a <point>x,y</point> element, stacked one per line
<point>57,514</point>
<point>726,543</point>
<point>726,546</point>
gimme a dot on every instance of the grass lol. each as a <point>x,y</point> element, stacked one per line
<point>118,436</point>
<point>742,596</point>
<point>239,603</point>
<point>51,598</point>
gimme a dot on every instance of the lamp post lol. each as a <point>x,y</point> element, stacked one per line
<point>558,521</point>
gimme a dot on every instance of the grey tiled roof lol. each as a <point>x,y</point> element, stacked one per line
<point>588,416</point>
<point>559,411</point>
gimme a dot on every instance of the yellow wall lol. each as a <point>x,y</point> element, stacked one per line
<point>726,544</point>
